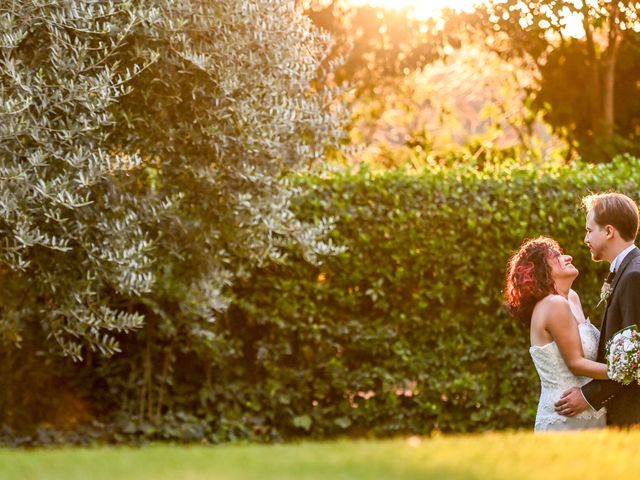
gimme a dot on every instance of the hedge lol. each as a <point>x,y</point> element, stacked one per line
<point>405,331</point>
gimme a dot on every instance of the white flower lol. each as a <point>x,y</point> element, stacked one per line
<point>623,357</point>
<point>605,293</point>
<point>628,346</point>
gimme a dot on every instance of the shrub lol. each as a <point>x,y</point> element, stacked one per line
<point>144,154</point>
<point>406,330</point>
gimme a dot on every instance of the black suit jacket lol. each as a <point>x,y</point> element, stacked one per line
<point>622,310</point>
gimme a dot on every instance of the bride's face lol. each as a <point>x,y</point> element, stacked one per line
<point>562,267</point>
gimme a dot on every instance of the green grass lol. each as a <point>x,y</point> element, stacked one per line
<point>584,456</point>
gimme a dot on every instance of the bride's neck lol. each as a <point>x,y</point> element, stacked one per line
<point>563,289</point>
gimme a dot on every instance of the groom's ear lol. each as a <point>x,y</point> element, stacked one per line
<point>609,231</point>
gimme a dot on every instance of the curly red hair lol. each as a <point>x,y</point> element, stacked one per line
<point>529,276</point>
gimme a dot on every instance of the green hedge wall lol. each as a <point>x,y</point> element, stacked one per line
<point>406,330</point>
<point>403,332</point>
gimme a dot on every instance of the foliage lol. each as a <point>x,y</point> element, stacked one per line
<point>469,107</point>
<point>567,106</point>
<point>89,94</point>
<point>592,40</point>
<point>223,147</point>
<point>428,85</point>
<point>402,332</point>
<point>405,331</point>
<point>72,226</point>
<point>377,48</point>
<point>144,165</point>
<point>379,45</point>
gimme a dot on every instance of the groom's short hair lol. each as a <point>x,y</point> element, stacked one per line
<point>614,209</point>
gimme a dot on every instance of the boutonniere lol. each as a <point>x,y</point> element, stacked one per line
<point>607,288</point>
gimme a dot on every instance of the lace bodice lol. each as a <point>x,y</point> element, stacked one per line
<point>555,377</point>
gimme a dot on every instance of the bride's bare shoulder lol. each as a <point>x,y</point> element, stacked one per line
<point>550,304</point>
<point>549,309</point>
<point>553,301</point>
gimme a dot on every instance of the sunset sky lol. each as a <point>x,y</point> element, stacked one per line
<point>421,8</point>
<point>431,8</point>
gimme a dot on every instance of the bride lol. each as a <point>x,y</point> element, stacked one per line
<point>563,342</point>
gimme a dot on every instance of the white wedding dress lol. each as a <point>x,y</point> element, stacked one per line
<point>555,378</point>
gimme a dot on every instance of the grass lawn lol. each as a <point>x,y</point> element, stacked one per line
<point>585,455</point>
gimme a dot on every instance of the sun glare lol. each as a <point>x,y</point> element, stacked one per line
<point>422,9</point>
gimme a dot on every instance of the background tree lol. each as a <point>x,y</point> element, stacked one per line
<point>146,153</point>
<point>425,90</point>
<point>376,49</point>
<point>564,41</point>
<point>469,107</point>
<point>71,222</point>
<point>234,105</point>
<point>379,45</point>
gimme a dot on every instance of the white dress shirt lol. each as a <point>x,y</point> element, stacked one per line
<point>620,257</point>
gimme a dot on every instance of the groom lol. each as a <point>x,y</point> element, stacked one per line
<point>612,227</point>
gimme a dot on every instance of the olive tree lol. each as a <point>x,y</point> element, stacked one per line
<point>146,150</point>
<point>71,228</point>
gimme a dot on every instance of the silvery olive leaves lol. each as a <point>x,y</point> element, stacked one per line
<point>145,148</point>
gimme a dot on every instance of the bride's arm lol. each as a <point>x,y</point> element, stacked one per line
<point>564,330</point>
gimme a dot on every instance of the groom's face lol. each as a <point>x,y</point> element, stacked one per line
<point>595,238</point>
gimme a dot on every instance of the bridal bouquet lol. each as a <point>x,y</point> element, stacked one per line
<point>624,356</point>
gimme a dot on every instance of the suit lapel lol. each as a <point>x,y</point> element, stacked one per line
<point>603,327</point>
<point>625,263</point>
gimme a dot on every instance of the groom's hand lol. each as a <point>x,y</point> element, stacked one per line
<point>571,403</point>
